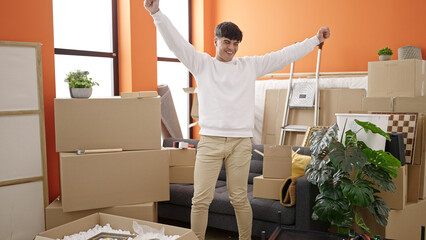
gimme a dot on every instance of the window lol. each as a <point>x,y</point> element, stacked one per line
<point>85,36</point>
<point>169,70</point>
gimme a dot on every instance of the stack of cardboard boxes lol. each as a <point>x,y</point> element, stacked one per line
<point>127,178</point>
<point>398,86</point>
<point>276,168</point>
<point>182,162</point>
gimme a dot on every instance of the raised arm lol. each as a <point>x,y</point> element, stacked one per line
<point>278,60</point>
<point>182,49</point>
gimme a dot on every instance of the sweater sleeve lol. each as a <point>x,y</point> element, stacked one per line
<point>275,61</point>
<point>182,49</point>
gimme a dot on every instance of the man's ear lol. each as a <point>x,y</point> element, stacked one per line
<point>215,41</point>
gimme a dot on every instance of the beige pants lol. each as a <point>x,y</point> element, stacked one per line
<point>211,153</point>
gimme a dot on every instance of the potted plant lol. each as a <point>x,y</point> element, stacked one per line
<point>80,84</point>
<point>349,176</point>
<point>385,54</point>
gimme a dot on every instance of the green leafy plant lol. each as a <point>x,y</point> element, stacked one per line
<point>385,51</point>
<point>80,79</point>
<point>349,176</point>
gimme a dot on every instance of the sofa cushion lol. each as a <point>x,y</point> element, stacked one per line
<point>263,209</point>
<point>267,210</point>
<point>181,194</point>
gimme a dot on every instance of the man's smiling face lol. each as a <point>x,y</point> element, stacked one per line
<point>225,48</point>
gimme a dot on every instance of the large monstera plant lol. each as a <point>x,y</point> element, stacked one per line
<point>349,176</point>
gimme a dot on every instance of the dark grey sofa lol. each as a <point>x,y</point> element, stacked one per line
<point>266,215</point>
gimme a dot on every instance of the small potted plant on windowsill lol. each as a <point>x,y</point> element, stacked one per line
<point>349,176</point>
<point>80,84</point>
<point>385,54</point>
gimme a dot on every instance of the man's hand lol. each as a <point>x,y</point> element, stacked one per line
<point>152,6</point>
<point>323,33</point>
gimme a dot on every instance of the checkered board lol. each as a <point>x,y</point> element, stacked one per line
<point>404,123</point>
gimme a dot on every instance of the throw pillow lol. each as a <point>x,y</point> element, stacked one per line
<point>299,163</point>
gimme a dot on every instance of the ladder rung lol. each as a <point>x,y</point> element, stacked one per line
<point>301,107</point>
<point>295,128</point>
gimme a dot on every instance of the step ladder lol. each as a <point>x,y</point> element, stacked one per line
<point>304,96</point>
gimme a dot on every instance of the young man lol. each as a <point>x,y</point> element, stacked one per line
<point>226,111</point>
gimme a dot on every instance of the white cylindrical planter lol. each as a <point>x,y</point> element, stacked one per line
<point>374,141</point>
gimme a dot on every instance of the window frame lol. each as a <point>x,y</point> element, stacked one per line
<point>113,54</point>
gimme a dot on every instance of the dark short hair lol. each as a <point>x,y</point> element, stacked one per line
<point>229,30</point>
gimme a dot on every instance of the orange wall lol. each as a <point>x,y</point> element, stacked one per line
<point>359,28</point>
<point>32,21</point>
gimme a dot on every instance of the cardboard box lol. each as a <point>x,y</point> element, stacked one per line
<point>55,216</point>
<point>182,174</point>
<point>268,188</point>
<point>422,187</point>
<point>277,161</point>
<point>116,222</point>
<point>413,182</point>
<point>110,179</point>
<point>331,101</point>
<point>399,198</point>
<point>181,157</point>
<point>402,224</point>
<point>142,94</point>
<point>105,123</point>
<point>394,104</point>
<point>398,78</point>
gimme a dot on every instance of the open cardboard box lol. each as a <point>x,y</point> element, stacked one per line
<point>277,161</point>
<point>55,215</point>
<point>116,222</point>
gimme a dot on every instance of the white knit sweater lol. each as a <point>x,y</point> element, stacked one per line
<point>226,89</point>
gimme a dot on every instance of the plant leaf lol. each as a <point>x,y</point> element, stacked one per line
<point>337,212</point>
<point>350,138</point>
<point>358,193</point>
<point>330,191</point>
<point>380,177</point>
<point>368,126</point>
<point>347,158</point>
<point>321,139</point>
<point>380,211</point>
<point>317,172</point>
<point>383,160</point>
<point>360,222</point>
